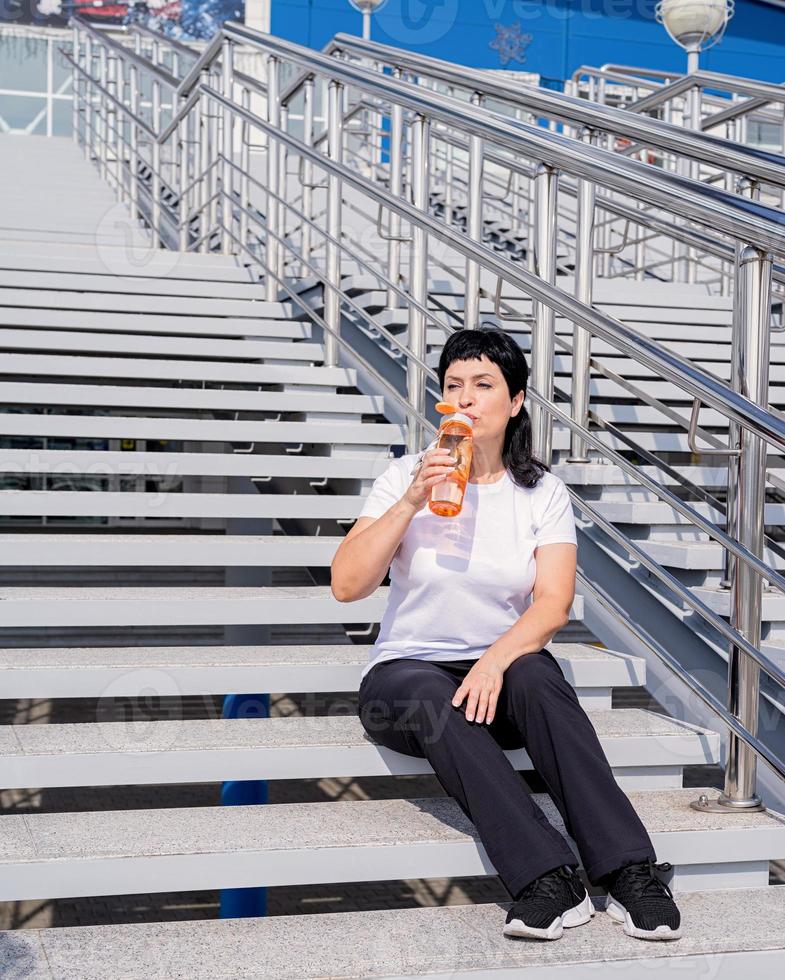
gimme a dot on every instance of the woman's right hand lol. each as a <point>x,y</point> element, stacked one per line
<point>437,464</point>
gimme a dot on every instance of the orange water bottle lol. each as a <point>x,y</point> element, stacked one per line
<point>455,434</point>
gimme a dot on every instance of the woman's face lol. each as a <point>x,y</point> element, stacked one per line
<point>478,389</point>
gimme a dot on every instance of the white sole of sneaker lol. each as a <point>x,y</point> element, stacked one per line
<point>619,914</point>
<point>577,916</point>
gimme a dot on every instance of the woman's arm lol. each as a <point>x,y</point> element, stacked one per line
<point>364,556</point>
<point>552,599</point>
<point>362,560</point>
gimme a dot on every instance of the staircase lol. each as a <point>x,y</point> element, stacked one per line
<point>146,394</point>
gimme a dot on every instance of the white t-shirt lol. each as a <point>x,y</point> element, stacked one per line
<point>458,583</point>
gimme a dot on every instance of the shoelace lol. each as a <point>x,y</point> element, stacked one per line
<point>643,875</point>
<point>548,886</point>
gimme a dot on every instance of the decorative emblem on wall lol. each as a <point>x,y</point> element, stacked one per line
<point>510,43</point>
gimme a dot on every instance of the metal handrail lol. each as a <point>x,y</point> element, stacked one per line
<point>127,53</point>
<point>648,219</point>
<point>145,31</point>
<point>711,390</point>
<point>657,133</point>
<point>737,550</point>
<point>739,217</point>
<point>769,91</point>
<point>762,751</point>
<point>724,111</point>
<point>715,215</point>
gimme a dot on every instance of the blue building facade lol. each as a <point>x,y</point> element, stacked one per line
<point>550,37</point>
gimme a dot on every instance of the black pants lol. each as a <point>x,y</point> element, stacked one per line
<point>405,704</point>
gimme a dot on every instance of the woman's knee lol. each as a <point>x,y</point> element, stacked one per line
<point>534,672</point>
<point>421,710</point>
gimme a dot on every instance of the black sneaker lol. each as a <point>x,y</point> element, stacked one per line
<point>549,904</point>
<point>643,903</point>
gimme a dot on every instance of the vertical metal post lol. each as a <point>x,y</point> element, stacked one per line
<point>449,176</point>
<point>581,338</point>
<point>271,216</point>
<point>214,148</point>
<point>75,83</point>
<point>332,300</point>
<point>133,139</point>
<point>89,123</point>
<point>545,190</point>
<point>101,151</point>
<point>227,126</point>
<point>182,209</point>
<point>202,188</point>
<point>745,187</point>
<point>283,190</point>
<point>396,189</point>
<point>50,70</point>
<point>471,314</point>
<point>418,278</point>
<point>306,238</point>
<point>754,296</point>
<point>156,155</point>
<point>116,88</point>
<point>245,165</point>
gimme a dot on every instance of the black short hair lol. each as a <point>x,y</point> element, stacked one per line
<point>499,347</point>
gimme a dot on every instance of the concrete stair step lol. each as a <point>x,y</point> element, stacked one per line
<point>126,852</point>
<point>719,601</point>
<point>117,260</point>
<point>200,430</point>
<point>704,554</point>
<point>154,464</point>
<point>236,550</point>
<point>157,264</point>
<point>656,512</point>
<point>70,548</point>
<point>174,369</point>
<point>152,323</point>
<point>460,942</point>
<point>602,474</point>
<point>143,303</point>
<point>646,750</point>
<point>137,606</point>
<point>87,671</point>
<point>46,281</point>
<point>187,399</point>
<point>119,343</point>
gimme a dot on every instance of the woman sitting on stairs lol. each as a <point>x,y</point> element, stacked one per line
<point>502,570</point>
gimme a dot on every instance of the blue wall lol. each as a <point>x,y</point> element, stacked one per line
<point>564,33</point>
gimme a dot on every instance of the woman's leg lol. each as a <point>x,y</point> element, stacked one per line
<point>564,748</point>
<point>405,705</point>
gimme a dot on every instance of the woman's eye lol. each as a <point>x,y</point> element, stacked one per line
<point>481,385</point>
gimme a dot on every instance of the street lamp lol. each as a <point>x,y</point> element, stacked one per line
<point>695,25</point>
<point>366,8</point>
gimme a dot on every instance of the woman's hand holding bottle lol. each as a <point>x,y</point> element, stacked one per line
<point>436,465</point>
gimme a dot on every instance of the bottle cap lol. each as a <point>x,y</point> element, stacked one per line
<point>458,417</point>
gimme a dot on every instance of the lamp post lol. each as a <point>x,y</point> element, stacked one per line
<point>367,8</point>
<point>694,25</point>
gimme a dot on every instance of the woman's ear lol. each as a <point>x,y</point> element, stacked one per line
<point>517,402</point>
